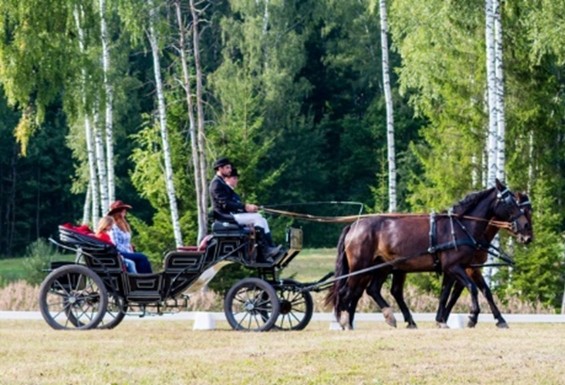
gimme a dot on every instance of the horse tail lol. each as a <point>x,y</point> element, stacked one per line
<point>341,268</point>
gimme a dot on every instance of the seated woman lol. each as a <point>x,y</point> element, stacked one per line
<point>121,237</point>
<point>102,232</point>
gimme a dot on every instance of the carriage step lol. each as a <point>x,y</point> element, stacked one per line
<point>144,296</point>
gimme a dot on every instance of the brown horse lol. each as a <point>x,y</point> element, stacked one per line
<point>474,272</point>
<point>419,243</point>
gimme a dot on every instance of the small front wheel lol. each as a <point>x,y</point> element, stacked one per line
<point>73,297</point>
<point>252,304</point>
<point>296,305</point>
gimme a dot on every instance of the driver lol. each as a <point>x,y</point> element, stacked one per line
<point>226,202</point>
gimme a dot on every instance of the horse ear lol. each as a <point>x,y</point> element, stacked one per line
<point>499,185</point>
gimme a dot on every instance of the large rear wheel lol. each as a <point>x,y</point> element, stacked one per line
<point>251,304</point>
<point>73,297</point>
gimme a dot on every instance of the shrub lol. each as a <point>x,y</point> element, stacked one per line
<point>36,262</point>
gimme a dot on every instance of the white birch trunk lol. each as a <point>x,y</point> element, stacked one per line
<point>92,171</point>
<point>492,152</point>
<point>163,127</point>
<point>100,163</point>
<point>199,105</point>
<point>92,179</point>
<point>531,163</point>
<point>266,17</point>
<point>87,205</point>
<point>109,185</point>
<point>389,110</point>
<point>491,87</point>
<point>198,176</point>
<point>499,74</point>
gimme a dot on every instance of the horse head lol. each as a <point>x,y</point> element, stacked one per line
<point>526,206</point>
<point>508,208</point>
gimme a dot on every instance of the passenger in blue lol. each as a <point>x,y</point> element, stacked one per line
<point>121,237</point>
<point>227,203</point>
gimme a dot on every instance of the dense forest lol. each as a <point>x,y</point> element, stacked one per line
<point>293,92</point>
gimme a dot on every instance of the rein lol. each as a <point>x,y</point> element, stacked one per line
<point>353,218</point>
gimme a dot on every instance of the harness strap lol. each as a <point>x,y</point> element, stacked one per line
<point>433,248</point>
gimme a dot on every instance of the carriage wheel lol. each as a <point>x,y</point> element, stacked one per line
<point>73,297</point>
<point>251,304</point>
<point>296,306</point>
<point>115,312</point>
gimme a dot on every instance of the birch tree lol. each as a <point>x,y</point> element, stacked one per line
<point>194,143</point>
<point>162,115</point>
<point>34,58</point>
<point>200,114</point>
<point>492,130</point>
<point>107,185</point>
<point>499,82</point>
<point>101,166</point>
<point>92,195</point>
<point>391,153</point>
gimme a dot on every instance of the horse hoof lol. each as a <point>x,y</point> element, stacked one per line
<point>502,325</point>
<point>389,317</point>
<point>442,325</point>
<point>411,326</point>
<point>472,322</point>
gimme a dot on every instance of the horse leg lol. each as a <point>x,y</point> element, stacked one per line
<point>374,290</point>
<point>351,299</point>
<point>483,287</point>
<point>459,273</point>
<point>397,291</point>
<point>446,286</point>
<point>453,297</point>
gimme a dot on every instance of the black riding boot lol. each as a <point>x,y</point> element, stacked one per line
<point>269,240</point>
<point>267,248</point>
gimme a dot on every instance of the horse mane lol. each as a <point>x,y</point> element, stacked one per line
<point>470,201</point>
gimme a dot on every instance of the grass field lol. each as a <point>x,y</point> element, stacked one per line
<point>311,265</point>
<point>156,351</point>
<point>12,269</point>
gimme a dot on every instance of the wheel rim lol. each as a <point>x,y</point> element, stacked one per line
<point>73,297</point>
<point>251,305</point>
<point>296,307</point>
<point>115,312</point>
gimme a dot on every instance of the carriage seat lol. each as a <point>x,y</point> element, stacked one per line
<point>100,256</point>
<point>83,237</point>
<point>226,229</point>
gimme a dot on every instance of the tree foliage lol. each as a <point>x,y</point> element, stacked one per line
<point>292,92</point>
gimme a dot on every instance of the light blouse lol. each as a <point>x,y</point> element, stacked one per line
<point>122,239</point>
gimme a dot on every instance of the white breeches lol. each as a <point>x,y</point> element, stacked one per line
<point>254,219</point>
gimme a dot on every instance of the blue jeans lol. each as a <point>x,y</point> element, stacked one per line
<point>141,262</point>
<point>130,265</point>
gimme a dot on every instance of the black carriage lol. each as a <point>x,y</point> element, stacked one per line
<point>96,291</point>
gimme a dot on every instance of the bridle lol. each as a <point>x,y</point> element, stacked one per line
<point>507,200</point>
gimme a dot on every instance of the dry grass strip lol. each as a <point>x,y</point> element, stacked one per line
<point>153,351</point>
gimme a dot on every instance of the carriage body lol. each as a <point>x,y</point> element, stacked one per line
<point>97,291</point>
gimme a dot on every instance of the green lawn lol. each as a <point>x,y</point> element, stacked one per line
<point>12,269</point>
<point>311,265</point>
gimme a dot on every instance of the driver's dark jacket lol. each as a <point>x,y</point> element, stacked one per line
<point>225,201</point>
